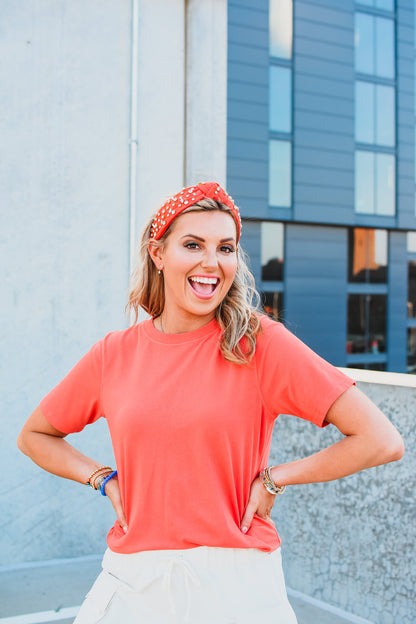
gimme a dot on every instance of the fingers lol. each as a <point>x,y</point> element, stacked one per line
<point>112,489</point>
<point>260,502</point>
<point>248,517</point>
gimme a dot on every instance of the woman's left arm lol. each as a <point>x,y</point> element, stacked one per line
<point>370,440</point>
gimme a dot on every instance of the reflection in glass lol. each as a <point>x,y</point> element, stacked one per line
<point>384,46</point>
<point>387,5</point>
<point>280,173</point>
<point>364,182</point>
<point>411,350</point>
<point>367,256</point>
<point>374,114</point>
<point>374,45</point>
<point>411,242</point>
<point>375,176</point>
<point>384,116</point>
<point>280,108</point>
<point>272,303</point>
<point>272,251</point>
<point>364,43</point>
<point>385,184</point>
<point>411,289</point>
<point>364,112</point>
<point>280,28</point>
<point>366,323</point>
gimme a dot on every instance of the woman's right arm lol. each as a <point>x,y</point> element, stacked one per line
<point>46,446</point>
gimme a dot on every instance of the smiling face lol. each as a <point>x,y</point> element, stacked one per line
<point>199,262</point>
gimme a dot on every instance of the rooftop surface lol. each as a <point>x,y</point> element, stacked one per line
<point>53,591</point>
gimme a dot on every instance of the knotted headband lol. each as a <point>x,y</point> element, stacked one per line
<point>186,198</point>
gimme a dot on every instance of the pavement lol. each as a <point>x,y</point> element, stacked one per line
<point>52,592</point>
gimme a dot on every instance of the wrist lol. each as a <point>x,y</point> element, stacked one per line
<point>269,482</point>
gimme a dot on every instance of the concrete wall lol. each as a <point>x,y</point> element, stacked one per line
<point>350,543</point>
<point>67,217</point>
<point>64,224</point>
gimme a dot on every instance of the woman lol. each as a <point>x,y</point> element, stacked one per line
<point>190,397</point>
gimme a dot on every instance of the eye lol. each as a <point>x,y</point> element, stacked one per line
<point>191,245</point>
<point>227,249</point>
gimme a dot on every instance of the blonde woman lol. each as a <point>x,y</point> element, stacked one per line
<point>190,396</point>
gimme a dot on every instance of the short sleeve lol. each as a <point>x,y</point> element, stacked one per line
<point>76,401</point>
<point>295,380</point>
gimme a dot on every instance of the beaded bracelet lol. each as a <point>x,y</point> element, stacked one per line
<point>107,478</point>
<point>99,481</point>
<point>268,482</point>
<point>100,469</point>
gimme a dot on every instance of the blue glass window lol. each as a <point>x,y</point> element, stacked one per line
<point>374,183</point>
<point>364,182</point>
<point>411,242</point>
<point>272,303</point>
<point>385,184</point>
<point>386,5</point>
<point>367,256</point>
<point>280,109</point>
<point>367,322</point>
<point>411,350</point>
<point>281,28</point>
<point>272,235</point>
<point>280,173</point>
<point>374,45</point>
<point>374,114</point>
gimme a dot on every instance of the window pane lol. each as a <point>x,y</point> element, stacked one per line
<point>280,173</point>
<point>280,109</point>
<point>411,290</point>
<point>273,304</point>
<point>271,251</point>
<point>364,43</point>
<point>385,122</point>
<point>357,255</point>
<point>411,350</point>
<point>385,184</point>
<point>366,324</point>
<point>384,40</point>
<point>357,329</point>
<point>364,112</point>
<point>364,182</point>
<point>367,256</point>
<point>377,314</point>
<point>280,28</point>
<point>411,242</point>
<point>377,256</point>
<point>387,5</point>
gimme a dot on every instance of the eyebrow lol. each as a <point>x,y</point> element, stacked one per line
<point>223,240</point>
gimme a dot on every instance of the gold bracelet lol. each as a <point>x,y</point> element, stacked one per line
<point>96,473</point>
<point>268,482</point>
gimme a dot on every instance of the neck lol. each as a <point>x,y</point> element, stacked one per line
<point>180,326</point>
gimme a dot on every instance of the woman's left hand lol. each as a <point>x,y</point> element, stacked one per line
<point>260,502</point>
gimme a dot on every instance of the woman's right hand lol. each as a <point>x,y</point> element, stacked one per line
<point>112,489</point>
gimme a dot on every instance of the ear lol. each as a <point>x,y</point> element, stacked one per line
<point>156,254</point>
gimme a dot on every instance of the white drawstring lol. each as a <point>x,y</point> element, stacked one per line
<point>189,576</point>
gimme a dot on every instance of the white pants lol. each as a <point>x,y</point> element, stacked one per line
<point>198,585</point>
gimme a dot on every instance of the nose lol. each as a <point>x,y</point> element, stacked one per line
<point>210,260</point>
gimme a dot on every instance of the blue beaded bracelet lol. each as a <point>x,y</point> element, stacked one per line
<point>102,486</point>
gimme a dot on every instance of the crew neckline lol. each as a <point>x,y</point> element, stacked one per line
<point>195,334</point>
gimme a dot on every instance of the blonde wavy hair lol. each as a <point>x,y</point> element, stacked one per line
<point>237,314</point>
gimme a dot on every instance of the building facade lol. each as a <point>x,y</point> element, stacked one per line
<point>321,158</point>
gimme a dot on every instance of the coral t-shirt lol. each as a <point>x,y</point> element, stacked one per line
<point>190,430</point>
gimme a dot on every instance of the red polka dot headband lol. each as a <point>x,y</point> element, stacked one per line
<point>186,198</point>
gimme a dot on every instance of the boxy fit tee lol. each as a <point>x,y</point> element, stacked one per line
<point>190,430</point>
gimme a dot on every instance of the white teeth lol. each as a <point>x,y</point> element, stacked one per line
<point>204,280</point>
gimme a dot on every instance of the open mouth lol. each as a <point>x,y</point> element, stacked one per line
<point>203,286</point>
